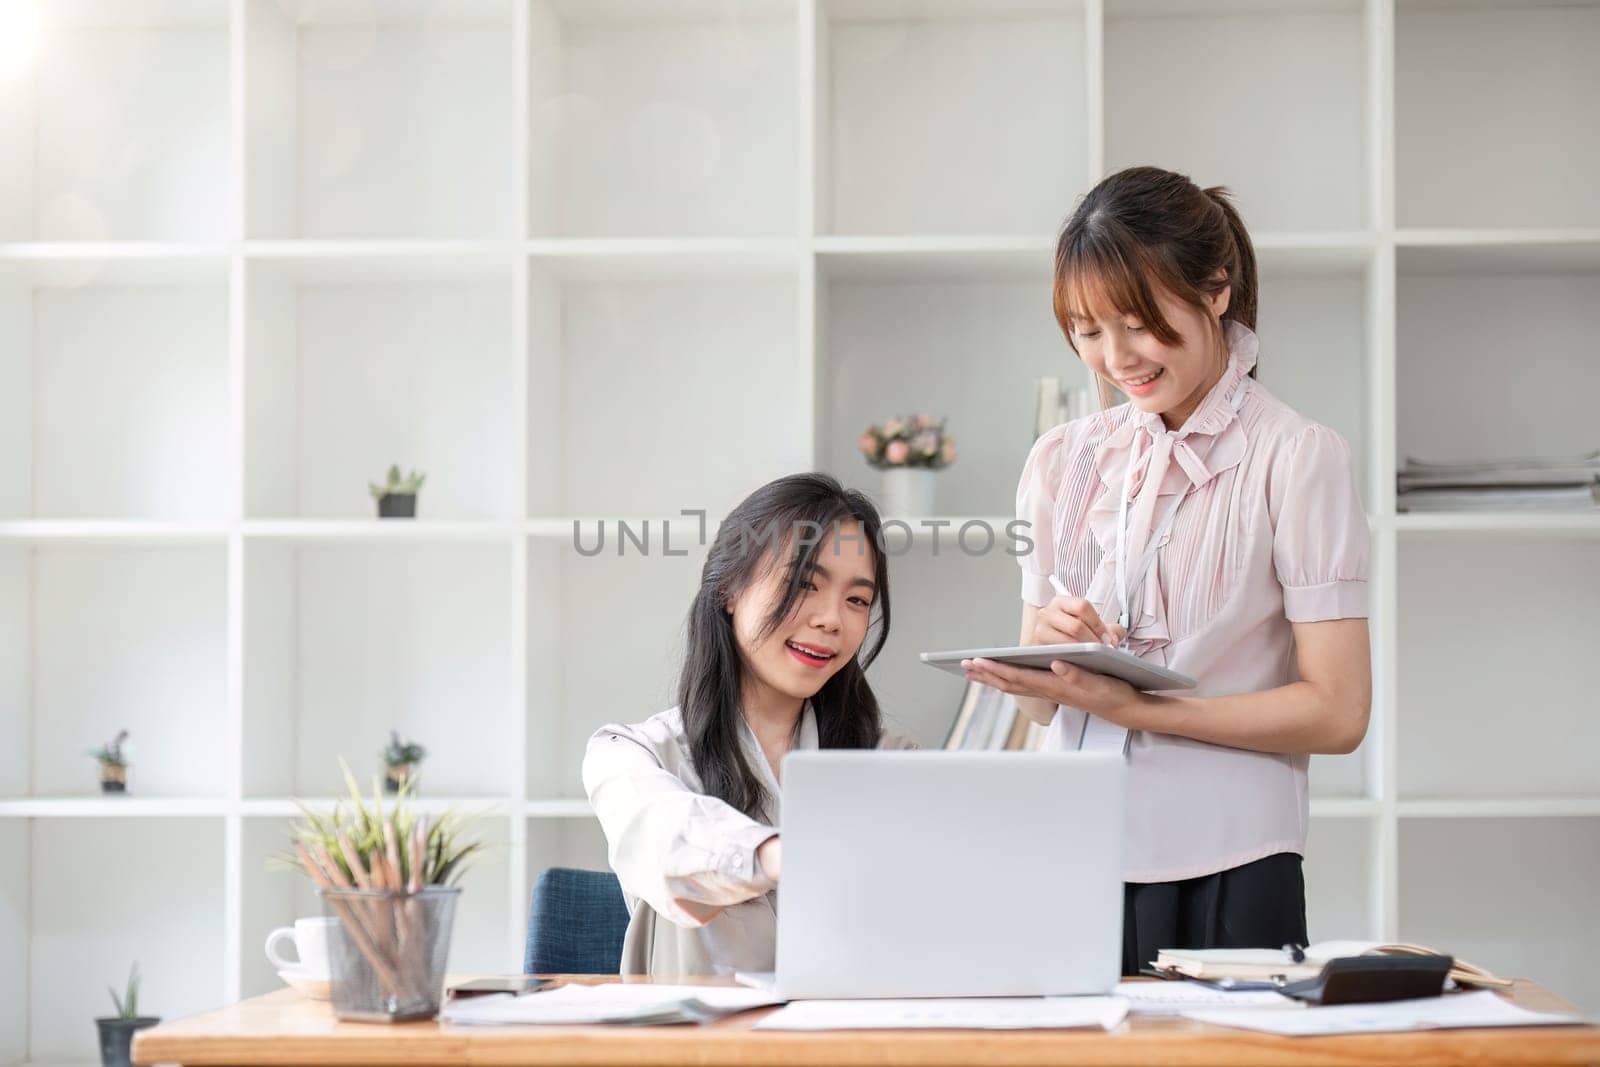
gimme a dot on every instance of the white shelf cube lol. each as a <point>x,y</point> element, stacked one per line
<point>590,663</point>
<point>1268,100</point>
<point>1496,151</point>
<point>345,643</point>
<point>356,362</point>
<point>1457,351</point>
<point>102,639</point>
<point>1489,709</point>
<point>115,119</point>
<point>114,388</point>
<point>388,120</point>
<point>702,98</point>
<point>909,94</point>
<point>153,894</point>
<point>1315,351</point>
<point>628,360</point>
<point>963,337</point>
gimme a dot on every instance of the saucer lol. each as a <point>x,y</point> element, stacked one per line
<point>312,986</point>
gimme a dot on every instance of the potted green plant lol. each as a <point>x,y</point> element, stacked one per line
<point>397,496</point>
<point>908,449</point>
<point>389,877</point>
<point>400,759</point>
<point>113,764</point>
<point>116,1031</point>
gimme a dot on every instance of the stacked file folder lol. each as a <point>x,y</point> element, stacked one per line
<point>1571,484</point>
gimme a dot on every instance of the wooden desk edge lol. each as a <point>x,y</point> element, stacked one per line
<point>283,1029</point>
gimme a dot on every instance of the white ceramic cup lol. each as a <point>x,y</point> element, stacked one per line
<point>310,938</point>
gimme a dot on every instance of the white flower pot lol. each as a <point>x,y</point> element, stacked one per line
<point>908,491</point>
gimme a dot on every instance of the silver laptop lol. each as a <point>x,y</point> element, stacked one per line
<point>945,874</point>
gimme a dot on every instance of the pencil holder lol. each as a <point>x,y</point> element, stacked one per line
<point>388,952</point>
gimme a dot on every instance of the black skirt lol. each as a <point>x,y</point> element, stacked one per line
<point>1259,905</point>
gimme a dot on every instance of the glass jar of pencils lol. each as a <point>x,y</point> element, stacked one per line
<point>387,954</point>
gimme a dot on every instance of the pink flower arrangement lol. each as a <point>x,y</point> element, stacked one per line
<point>908,441</point>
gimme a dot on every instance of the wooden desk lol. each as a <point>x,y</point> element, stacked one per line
<point>283,1029</point>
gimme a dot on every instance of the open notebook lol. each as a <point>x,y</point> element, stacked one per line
<point>1248,963</point>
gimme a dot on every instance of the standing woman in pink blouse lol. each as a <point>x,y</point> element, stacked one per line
<point>1207,526</point>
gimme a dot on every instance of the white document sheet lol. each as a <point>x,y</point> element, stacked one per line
<point>1454,1011</point>
<point>613,1002</point>
<point>977,1013</point>
<point>1175,998</point>
<point>1102,736</point>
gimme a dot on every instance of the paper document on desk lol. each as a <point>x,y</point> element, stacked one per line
<point>612,1002</point>
<point>1176,998</point>
<point>1449,1012</point>
<point>1102,736</point>
<point>977,1013</point>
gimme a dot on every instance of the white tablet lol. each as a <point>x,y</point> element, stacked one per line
<point>1091,656</point>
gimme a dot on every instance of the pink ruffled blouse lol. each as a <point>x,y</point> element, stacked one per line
<point>1270,532</point>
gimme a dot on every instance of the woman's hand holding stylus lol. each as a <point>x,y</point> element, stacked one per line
<point>1068,620</point>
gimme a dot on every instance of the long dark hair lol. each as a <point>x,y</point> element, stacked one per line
<point>784,518</point>
<point>1144,225</point>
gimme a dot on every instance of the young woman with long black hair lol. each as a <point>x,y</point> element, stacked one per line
<point>775,660</point>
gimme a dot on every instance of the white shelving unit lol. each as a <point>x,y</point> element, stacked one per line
<point>613,260</point>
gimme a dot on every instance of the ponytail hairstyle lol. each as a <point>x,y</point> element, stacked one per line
<point>781,524</point>
<point>1144,228</point>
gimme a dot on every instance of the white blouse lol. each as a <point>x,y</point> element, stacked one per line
<point>1270,532</point>
<point>698,900</point>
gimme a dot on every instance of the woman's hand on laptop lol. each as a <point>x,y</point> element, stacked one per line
<point>770,856</point>
<point>1069,620</point>
<point>1109,698</point>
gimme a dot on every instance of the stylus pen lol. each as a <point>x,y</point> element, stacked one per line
<point>1061,590</point>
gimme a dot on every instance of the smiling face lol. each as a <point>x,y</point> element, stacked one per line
<point>821,632</point>
<point>1166,379</point>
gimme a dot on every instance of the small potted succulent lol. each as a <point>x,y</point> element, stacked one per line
<point>908,449</point>
<point>397,496</point>
<point>400,759</point>
<point>113,764</point>
<point>116,1031</point>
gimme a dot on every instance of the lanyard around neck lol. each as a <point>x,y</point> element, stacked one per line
<point>1125,583</point>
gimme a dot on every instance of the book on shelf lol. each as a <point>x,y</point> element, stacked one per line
<point>1004,716</point>
<point>989,720</point>
<point>963,721</point>
<point>1525,498</point>
<point>1017,736</point>
<point>1524,484</point>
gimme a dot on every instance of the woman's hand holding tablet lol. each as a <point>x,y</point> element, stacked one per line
<point>1072,658</point>
<point>1086,675</point>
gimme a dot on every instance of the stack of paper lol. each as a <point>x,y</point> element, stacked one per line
<point>1450,1012</point>
<point>613,1002</point>
<point>1177,998</point>
<point>1500,485</point>
<point>981,1013</point>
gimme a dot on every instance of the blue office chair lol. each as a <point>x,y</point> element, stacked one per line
<point>576,923</point>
